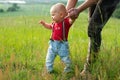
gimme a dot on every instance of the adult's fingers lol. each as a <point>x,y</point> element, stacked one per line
<point>70,10</point>
<point>72,13</point>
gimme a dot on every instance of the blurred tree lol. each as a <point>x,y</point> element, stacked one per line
<point>1,10</point>
<point>14,7</point>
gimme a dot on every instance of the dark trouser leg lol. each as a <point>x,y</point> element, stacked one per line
<point>99,15</point>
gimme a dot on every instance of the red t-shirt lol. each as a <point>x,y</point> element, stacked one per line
<point>57,31</point>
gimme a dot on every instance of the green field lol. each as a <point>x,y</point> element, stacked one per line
<point>24,43</point>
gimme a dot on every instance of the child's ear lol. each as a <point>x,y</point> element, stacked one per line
<point>61,15</point>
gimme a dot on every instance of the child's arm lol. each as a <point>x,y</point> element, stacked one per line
<point>46,25</point>
<point>71,20</point>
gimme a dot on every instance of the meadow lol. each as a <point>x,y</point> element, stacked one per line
<point>24,43</point>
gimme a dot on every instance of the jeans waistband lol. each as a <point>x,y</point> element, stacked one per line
<point>59,40</point>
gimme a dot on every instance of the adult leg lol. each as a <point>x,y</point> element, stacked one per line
<point>86,65</point>
<point>99,15</point>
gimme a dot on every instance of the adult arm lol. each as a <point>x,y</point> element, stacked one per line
<point>86,4</point>
<point>74,12</point>
<point>71,4</point>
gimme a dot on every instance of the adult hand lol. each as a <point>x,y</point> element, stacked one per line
<point>73,13</point>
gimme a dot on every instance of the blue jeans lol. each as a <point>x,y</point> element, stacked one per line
<point>61,49</point>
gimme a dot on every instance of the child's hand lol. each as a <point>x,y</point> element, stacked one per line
<point>42,22</point>
<point>46,25</point>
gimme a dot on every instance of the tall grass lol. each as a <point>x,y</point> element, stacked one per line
<point>24,43</point>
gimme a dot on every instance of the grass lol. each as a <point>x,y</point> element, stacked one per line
<point>24,43</point>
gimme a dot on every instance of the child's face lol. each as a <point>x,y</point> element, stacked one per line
<point>56,16</point>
